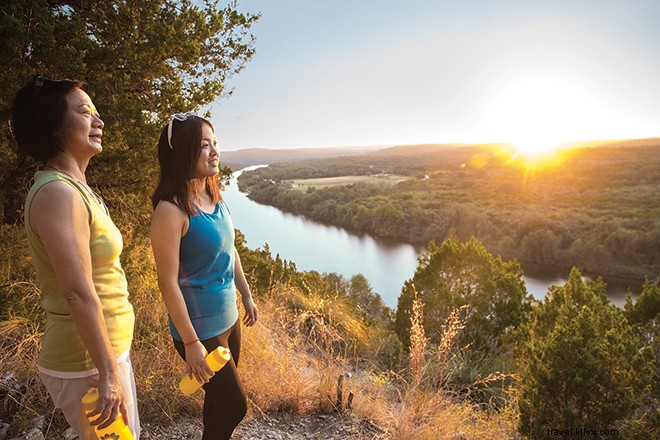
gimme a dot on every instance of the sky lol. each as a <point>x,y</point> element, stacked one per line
<point>386,72</point>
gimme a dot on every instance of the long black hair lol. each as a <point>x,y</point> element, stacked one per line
<point>177,166</point>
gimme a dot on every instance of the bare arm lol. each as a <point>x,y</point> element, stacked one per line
<point>59,216</point>
<point>167,226</point>
<point>251,311</point>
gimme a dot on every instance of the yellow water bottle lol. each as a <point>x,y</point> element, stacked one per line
<point>117,429</point>
<point>215,360</point>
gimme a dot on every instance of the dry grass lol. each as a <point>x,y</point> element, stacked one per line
<point>291,361</point>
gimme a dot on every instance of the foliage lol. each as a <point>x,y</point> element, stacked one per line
<point>582,365</point>
<point>644,314</point>
<point>647,306</point>
<point>456,274</point>
<point>596,208</point>
<point>142,60</point>
<point>369,302</point>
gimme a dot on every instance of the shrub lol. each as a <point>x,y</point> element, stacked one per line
<point>582,365</point>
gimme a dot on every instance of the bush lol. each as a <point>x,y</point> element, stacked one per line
<point>583,365</point>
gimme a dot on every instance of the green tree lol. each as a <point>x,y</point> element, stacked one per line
<point>455,274</point>
<point>582,364</point>
<point>644,313</point>
<point>387,220</point>
<point>368,301</point>
<point>142,59</point>
<point>647,306</point>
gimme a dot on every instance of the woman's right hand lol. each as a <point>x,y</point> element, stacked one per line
<point>196,362</point>
<point>110,405</point>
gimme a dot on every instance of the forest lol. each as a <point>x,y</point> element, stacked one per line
<point>597,208</point>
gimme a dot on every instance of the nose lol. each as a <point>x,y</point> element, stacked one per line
<point>98,122</point>
<point>215,151</point>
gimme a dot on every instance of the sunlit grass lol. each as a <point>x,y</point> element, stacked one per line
<point>309,353</point>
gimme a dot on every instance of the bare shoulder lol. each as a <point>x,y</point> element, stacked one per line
<point>57,197</point>
<point>57,205</point>
<point>57,189</point>
<point>168,216</point>
<point>165,208</point>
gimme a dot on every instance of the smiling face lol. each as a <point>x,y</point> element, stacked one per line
<point>208,162</point>
<point>82,127</point>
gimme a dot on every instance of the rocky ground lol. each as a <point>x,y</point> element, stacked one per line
<point>334,426</point>
<point>316,426</point>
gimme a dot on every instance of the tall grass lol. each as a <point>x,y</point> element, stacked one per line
<point>310,352</point>
<point>429,409</point>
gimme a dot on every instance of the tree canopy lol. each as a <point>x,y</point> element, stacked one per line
<point>457,274</point>
<point>142,60</point>
<point>583,364</point>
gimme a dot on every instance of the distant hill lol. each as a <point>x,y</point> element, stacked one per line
<point>646,142</point>
<point>266,156</point>
<point>420,149</point>
<point>263,156</point>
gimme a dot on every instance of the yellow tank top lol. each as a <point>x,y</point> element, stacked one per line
<point>62,349</point>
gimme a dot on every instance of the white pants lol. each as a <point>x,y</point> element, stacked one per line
<point>67,395</point>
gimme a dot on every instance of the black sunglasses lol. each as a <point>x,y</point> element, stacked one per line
<point>39,82</point>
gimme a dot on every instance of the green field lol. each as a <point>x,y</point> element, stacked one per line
<point>327,182</point>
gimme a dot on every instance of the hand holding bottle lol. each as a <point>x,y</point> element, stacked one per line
<point>116,430</point>
<point>215,360</point>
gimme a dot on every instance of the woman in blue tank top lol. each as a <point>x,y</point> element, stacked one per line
<point>199,270</point>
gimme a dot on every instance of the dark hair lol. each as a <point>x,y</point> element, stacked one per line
<point>37,114</point>
<point>177,166</point>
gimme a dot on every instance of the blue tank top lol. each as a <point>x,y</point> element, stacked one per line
<point>206,273</point>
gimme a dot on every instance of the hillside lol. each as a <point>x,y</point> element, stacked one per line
<point>322,362</point>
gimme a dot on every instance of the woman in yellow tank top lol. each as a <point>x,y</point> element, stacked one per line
<point>75,249</point>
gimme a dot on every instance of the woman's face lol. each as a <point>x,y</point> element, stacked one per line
<point>82,127</point>
<point>208,162</point>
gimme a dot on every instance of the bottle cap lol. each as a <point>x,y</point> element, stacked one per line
<point>90,399</point>
<point>218,358</point>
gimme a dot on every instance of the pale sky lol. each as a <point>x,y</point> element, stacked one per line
<point>386,72</point>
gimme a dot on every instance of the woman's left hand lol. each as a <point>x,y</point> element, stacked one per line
<point>251,312</point>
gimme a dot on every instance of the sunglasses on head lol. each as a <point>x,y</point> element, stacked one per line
<point>39,82</point>
<point>179,117</point>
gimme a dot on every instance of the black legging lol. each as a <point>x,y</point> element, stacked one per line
<point>225,404</point>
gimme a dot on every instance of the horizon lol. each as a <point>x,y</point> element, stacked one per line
<point>567,144</point>
<point>370,73</point>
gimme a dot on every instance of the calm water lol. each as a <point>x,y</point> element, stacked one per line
<point>386,264</point>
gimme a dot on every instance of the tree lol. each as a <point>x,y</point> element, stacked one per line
<point>368,301</point>
<point>387,220</point>
<point>582,364</point>
<point>645,315</point>
<point>455,274</point>
<point>142,59</point>
<point>647,306</point>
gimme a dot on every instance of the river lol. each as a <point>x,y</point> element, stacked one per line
<point>386,264</point>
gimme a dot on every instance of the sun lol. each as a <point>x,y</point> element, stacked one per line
<point>538,113</point>
<point>535,149</point>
